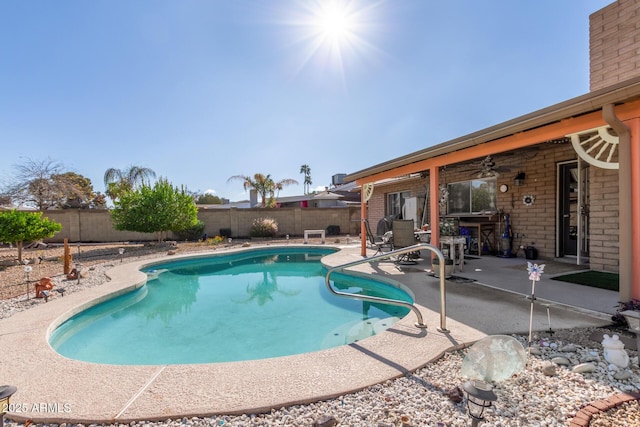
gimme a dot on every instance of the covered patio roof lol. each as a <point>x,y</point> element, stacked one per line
<point>580,110</point>
<point>617,106</point>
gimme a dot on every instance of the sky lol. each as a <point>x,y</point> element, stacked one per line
<point>203,90</point>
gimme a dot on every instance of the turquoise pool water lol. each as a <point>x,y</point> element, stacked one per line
<point>250,305</point>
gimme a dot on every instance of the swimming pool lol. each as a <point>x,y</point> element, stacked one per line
<point>248,305</point>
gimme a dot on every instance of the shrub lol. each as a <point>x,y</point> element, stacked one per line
<point>263,227</point>
<point>215,240</point>
<point>192,233</point>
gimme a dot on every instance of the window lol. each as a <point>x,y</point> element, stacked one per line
<point>395,202</point>
<point>476,196</point>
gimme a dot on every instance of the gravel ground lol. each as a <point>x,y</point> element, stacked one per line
<point>543,394</point>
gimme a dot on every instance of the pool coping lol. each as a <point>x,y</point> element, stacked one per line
<point>55,389</point>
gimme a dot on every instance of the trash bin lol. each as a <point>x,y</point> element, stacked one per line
<point>448,267</point>
<point>530,252</point>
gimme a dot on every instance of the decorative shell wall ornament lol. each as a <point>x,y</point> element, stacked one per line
<point>528,199</point>
<point>597,146</point>
<point>368,191</point>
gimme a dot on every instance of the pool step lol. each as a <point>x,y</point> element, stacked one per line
<point>357,330</point>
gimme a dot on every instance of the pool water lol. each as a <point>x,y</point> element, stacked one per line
<point>252,305</point>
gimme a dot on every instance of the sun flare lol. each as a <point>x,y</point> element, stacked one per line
<point>334,33</point>
<point>334,22</point>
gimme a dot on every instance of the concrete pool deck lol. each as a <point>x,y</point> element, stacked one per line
<point>52,388</point>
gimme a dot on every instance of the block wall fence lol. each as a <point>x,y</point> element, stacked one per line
<point>88,225</point>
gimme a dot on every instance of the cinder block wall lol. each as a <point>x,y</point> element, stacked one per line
<point>614,43</point>
<point>96,226</point>
<point>604,219</point>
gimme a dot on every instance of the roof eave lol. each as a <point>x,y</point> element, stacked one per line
<point>592,101</point>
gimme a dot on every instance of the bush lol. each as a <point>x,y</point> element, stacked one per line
<point>192,233</point>
<point>263,227</point>
<point>215,240</point>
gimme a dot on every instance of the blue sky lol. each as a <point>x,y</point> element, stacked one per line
<point>201,90</point>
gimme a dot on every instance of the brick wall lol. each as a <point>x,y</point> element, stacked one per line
<point>96,225</point>
<point>614,43</point>
<point>376,209</point>
<point>537,224</point>
<point>604,218</point>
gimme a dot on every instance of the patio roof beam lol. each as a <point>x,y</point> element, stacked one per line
<point>574,109</point>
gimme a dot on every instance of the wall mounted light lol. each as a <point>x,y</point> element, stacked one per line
<point>519,179</point>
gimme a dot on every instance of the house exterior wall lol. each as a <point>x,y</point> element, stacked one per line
<point>604,219</point>
<point>87,225</point>
<point>376,209</point>
<point>614,43</point>
<point>534,225</point>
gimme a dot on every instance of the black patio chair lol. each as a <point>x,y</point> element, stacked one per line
<point>377,242</point>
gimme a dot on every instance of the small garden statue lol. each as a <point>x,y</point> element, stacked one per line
<point>535,271</point>
<point>614,352</point>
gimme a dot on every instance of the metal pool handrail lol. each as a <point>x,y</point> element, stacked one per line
<point>408,249</point>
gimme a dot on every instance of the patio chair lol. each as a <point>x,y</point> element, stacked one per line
<point>377,242</point>
<point>403,236</point>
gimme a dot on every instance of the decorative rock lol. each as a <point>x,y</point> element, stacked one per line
<point>622,375</point>
<point>549,369</point>
<point>535,351</point>
<point>560,360</point>
<point>325,421</point>
<point>569,348</point>
<point>584,368</point>
<point>454,394</point>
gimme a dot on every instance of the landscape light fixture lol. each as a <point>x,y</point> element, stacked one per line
<point>6,391</point>
<point>27,271</point>
<point>121,251</point>
<point>633,319</point>
<point>480,396</point>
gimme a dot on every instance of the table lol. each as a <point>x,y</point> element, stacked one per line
<point>423,236</point>
<point>455,242</point>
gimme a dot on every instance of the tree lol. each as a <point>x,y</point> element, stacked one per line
<point>119,181</point>
<point>44,184</point>
<point>18,227</point>
<point>208,199</point>
<point>75,191</point>
<point>158,209</point>
<point>264,185</point>
<point>306,170</point>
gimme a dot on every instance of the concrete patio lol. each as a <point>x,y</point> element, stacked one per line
<point>52,388</point>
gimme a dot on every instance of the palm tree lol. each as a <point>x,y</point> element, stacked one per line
<point>264,185</point>
<point>119,181</point>
<point>306,170</point>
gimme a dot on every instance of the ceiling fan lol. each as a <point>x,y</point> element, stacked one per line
<point>489,169</point>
